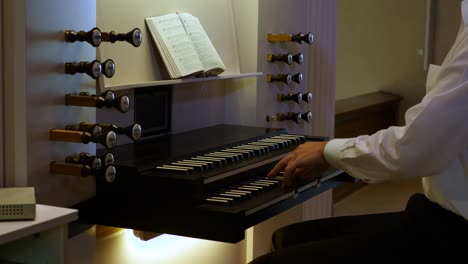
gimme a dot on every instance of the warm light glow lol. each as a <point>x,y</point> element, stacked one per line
<point>159,247</point>
<point>171,249</point>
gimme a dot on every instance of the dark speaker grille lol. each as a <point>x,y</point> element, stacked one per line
<point>11,210</point>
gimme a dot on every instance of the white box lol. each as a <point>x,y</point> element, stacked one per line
<point>17,203</point>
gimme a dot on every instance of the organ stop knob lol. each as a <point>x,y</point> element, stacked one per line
<point>107,99</point>
<point>134,37</point>
<point>284,78</point>
<point>299,38</point>
<point>295,97</point>
<point>109,139</point>
<point>290,116</point>
<point>93,36</point>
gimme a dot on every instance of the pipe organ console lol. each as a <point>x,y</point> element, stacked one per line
<point>212,177</point>
<point>207,183</point>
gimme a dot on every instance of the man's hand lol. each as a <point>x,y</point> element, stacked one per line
<point>306,162</point>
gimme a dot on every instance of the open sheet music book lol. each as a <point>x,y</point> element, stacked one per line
<point>184,46</point>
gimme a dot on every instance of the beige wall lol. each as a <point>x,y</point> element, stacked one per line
<point>447,19</point>
<point>377,48</point>
<point>1,95</point>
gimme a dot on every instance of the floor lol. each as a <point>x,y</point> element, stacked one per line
<point>377,198</point>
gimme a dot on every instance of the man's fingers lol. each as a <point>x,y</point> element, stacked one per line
<point>279,166</point>
<point>288,175</point>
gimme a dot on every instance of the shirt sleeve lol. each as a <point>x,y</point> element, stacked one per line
<point>436,134</point>
<point>435,131</point>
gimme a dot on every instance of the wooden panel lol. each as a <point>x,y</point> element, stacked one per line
<point>365,114</point>
<point>318,17</point>
<point>272,19</point>
<point>46,87</point>
<point>322,68</point>
<point>261,233</point>
<point>36,92</point>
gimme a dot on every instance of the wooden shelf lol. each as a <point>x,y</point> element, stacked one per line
<point>365,114</point>
<point>366,102</point>
<point>181,81</point>
<point>47,217</point>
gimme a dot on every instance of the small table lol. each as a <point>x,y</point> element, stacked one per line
<point>41,240</point>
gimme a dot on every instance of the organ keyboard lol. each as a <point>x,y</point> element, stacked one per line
<point>208,183</point>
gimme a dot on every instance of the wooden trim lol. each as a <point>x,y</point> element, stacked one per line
<point>145,235</point>
<point>103,232</point>
<point>365,102</point>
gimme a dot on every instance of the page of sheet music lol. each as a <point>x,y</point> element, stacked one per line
<point>177,44</point>
<point>205,49</point>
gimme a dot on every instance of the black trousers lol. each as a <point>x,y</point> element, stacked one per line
<point>424,231</point>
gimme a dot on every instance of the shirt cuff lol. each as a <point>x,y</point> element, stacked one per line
<point>332,154</point>
<point>332,151</point>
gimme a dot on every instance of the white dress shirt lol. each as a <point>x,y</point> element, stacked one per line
<point>433,143</point>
